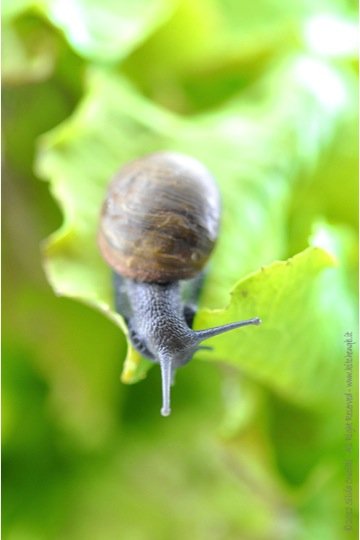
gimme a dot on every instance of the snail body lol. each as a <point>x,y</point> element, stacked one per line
<point>158,226</point>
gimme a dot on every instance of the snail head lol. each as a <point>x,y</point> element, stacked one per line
<point>173,356</point>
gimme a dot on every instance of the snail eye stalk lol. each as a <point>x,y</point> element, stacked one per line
<point>211,332</point>
<point>166,379</point>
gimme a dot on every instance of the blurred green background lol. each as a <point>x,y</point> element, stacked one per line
<point>86,457</point>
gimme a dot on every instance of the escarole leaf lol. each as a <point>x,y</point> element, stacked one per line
<point>295,351</point>
<point>13,8</point>
<point>105,32</point>
<point>255,149</point>
<point>26,57</point>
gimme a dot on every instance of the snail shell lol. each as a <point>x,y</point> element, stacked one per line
<point>160,219</point>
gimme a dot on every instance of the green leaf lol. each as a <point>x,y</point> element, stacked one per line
<point>254,152</point>
<point>13,8</point>
<point>16,65</point>
<point>297,338</point>
<point>106,31</point>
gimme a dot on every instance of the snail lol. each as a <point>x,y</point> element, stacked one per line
<point>158,225</point>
